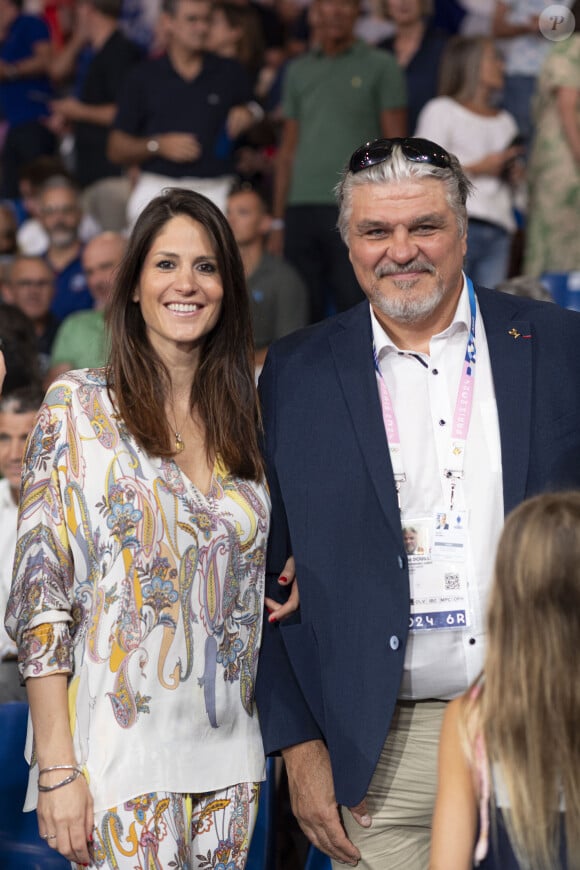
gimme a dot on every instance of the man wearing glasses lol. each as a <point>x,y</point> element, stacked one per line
<point>60,215</point>
<point>30,287</point>
<point>437,397</point>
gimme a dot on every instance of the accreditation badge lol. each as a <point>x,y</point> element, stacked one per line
<point>436,552</point>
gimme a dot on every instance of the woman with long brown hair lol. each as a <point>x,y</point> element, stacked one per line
<point>138,582</point>
<point>509,760</point>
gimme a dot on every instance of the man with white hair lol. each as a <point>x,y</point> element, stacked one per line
<point>433,396</point>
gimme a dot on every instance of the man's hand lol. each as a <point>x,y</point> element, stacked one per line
<point>361,814</point>
<point>239,119</point>
<point>314,802</point>
<point>68,108</point>
<point>179,147</point>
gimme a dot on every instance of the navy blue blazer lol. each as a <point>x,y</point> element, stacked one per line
<point>333,669</point>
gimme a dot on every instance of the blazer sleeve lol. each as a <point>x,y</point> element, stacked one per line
<point>285,717</point>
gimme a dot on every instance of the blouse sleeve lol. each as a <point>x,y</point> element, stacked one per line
<point>39,609</point>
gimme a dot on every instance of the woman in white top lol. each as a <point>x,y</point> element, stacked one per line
<point>138,581</point>
<point>465,121</point>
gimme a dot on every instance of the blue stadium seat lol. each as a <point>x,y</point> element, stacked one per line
<point>20,845</point>
<point>317,860</point>
<point>262,855</point>
<point>564,288</point>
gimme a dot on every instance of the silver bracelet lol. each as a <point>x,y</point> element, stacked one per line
<point>76,772</point>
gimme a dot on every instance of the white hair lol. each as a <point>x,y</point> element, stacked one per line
<point>396,168</point>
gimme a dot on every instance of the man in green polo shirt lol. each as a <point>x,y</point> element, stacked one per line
<point>338,95</point>
<point>81,341</point>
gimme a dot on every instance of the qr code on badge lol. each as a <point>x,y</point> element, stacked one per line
<point>451,582</point>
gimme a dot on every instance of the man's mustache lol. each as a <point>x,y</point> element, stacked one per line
<point>414,266</point>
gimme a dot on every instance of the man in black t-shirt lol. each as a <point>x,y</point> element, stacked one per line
<point>106,191</point>
<point>179,114</point>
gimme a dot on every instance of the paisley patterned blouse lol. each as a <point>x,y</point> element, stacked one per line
<point>148,593</point>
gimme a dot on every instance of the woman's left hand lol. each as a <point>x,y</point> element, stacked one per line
<point>287,577</point>
<point>65,818</point>
<point>2,370</point>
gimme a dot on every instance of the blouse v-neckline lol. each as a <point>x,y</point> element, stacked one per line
<point>187,482</point>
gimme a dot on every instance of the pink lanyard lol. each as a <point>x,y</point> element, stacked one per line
<point>461,417</point>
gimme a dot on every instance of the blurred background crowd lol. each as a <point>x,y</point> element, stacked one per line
<point>257,104</point>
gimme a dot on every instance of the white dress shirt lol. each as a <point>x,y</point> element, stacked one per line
<point>423,389</point>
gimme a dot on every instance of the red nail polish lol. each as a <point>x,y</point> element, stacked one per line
<point>272,617</point>
<point>282,579</point>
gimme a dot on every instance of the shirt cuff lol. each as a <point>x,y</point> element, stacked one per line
<point>45,649</point>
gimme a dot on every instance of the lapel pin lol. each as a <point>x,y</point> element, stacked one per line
<point>515,334</point>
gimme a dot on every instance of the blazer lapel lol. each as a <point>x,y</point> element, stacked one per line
<point>353,358</point>
<point>510,343</point>
<point>511,347</point>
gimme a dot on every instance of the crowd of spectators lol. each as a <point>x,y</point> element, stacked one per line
<point>106,102</point>
<point>257,104</point>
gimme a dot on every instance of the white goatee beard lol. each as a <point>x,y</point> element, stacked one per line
<point>405,307</point>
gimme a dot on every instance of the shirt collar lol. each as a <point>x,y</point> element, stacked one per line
<point>352,48</point>
<point>460,323</point>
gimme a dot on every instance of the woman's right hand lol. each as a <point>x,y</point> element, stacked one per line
<point>2,370</point>
<point>66,812</point>
<point>280,611</point>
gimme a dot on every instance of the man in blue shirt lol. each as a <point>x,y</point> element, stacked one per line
<point>25,89</point>
<point>60,215</point>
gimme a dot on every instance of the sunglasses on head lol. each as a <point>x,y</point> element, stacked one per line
<point>415,150</point>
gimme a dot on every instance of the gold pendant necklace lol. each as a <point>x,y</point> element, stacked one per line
<point>179,443</point>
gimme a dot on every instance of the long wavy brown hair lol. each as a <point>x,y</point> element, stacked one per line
<point>223,390</point>
<point>529,707</point>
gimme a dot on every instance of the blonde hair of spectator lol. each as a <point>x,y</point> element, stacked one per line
<point>529,707</point>
<point>460,67</point>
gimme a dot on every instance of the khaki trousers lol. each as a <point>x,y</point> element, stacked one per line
<point>401,794</point>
